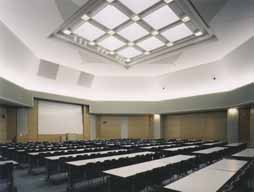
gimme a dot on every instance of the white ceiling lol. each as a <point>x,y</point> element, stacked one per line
<point>185,72</point>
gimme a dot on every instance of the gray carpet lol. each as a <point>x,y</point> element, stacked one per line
<point>37,183</point>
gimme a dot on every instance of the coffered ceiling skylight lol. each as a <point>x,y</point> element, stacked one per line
<point>131,31</point>
<point>111,43</point>
<point>162,17</point>
<point>129,52</point>
<point>88,31</point>
<point>138,6</point>
<point>150,44</point>
<point>176,33</point>
<point>110,17</point>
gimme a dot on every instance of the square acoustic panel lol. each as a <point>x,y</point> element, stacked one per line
<point>133,31</point>
<point>85,79</point>
<point>48,69</point>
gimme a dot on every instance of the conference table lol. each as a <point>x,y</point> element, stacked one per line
<point>52,163</point>
<point>181,148</point>
<point>247,154</point>
<point>34,158</point>
<point>86,153</point>
<point>8,161</point>
<point>72,165</point>
<point>234,144</point>
<point>209,179</point>
<point>135,169</point>
<point>129,172</point>
<point>158,146</point>
<point>215,143</point>
<point>210,150</point>
<point>81,163</point>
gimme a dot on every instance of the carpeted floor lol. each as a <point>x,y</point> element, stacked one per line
<point>37,183</point>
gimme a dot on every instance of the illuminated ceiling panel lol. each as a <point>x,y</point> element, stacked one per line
<point>111,43</point>
<point>110,17</point>
<point>133,31</point>
<point>177,33</point>
<point>138,6</point>
<point>129,52</point>
<point>88,31</point>
<point>151,44</point>
<point>161,17</point>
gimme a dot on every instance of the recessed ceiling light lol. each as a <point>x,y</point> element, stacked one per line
<point>92,43</point>
<point>186,19</point>
<point>135,18</point>
<point>131,44</point>
<point>112,52</point>
<point>128,60</point>
<point>67,31</point>
<point>147,53</point>
<point>155,33</point>
<point>198,33</point>
<point>168,1</point>
<point>170,44</point>
<point>111,32</point>
<point>85,17</point>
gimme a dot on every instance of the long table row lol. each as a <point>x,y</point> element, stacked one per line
<point>130,163</point>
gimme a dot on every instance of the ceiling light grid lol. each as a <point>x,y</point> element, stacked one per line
<point>131,30</point>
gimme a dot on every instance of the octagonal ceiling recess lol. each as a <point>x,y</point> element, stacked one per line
<point>130,31</point>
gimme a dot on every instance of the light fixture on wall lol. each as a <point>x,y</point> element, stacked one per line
<point>233,111</point>
<point>156,116</point>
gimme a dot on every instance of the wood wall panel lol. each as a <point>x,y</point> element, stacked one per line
<point>86,123</point>
<point>172,126</point>
<point>109,127</point>
<point>140,127</point>
<point>244,125</point>
<point>32,122</point>
<point>209,125</point>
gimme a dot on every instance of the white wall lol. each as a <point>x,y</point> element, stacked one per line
<point>59,118</point>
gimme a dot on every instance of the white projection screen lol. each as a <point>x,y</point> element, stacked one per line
<point>59,118</point>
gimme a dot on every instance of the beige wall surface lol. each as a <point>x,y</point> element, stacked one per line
<point>207,125</point>
<point>244,125</point>
<point>109,127</point>
<point>139,126</point>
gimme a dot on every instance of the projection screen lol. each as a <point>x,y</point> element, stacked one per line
<point>59,118</point>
